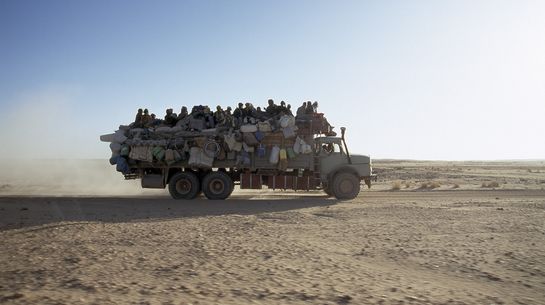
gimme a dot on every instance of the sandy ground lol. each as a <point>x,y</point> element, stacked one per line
<point>442,238</point>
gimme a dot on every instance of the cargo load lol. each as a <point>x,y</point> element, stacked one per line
<point>227,148</point>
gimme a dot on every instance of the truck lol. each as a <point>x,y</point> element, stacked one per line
<point>191,162</point>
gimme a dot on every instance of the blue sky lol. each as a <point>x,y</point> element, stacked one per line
<point>452,80</point>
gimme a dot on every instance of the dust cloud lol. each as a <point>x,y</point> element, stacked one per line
<point>66,177</point>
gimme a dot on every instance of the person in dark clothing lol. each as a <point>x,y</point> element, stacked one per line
<point>138,119</point>
<point>219,117</point>
<point>239,112</point>
<point>272,108</point>
<point>315,107</point>
<point>170,118</point>
<point>309,109</point>
<point>155,121</point>
<point>288,109</point>
<point>238,115</point>
<point>301,110</point>
<point>146,118</point>
<point>229,120</point>
<point>183,113</point>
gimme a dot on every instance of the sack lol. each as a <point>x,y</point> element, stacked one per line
<point>250,139</point>
<point>275,155</point>
<point>291,153</point>
<point>169,156</point>
<point>288,132</point>
<point>283,160</point>
<point>264,126</point>
<point>119,136</point>
<point>261,151</point>
<point>163,129</point>
<point>248,128</point>
<point>125,150</point>
<point>301,147</point>
<point>306,148</point>
<point>158,152</point>
<point>122,166</point>
<point>247,148</point>
<point>197,158</point>
<point>177,156</point>
<point>282,154</point>
<point>113,160</point>
<point>244,159</point>
<point>287,121</point>
<point>107,137</point>
<point>197,124</point>
<point>115,147</point>
<point>232,143</point>
<point>259,136</point>
<point>141,153</point>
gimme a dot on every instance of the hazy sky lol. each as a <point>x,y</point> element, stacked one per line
<point>451,80</point>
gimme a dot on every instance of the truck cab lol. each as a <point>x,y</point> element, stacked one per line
<point>340,172</point>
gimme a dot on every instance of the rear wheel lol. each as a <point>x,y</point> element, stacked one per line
<point>217,185</point>
<point>346,186</point>
<point>184,185</point>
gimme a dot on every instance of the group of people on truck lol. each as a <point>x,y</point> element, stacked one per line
<point>243,114</point>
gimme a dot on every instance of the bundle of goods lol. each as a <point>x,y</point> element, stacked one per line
<point>236,139</point>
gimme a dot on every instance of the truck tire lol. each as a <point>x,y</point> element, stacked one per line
<point>184,185</point>
<point>345,186</point>
<point>217,185</point>
<point>328,191</point>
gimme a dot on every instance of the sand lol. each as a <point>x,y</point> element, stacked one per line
<point>454,241</point>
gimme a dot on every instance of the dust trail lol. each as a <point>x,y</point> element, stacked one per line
<point>66,177</point>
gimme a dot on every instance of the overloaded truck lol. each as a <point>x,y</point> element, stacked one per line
<point>282,152</point>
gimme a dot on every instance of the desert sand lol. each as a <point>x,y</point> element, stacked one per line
<point>425,233</point>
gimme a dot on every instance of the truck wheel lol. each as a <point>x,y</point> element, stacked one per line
<point>346,186</point>
<point>217,185</point>
<point>184,185</point>
<point>328,191</point>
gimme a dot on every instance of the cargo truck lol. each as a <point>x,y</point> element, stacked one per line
<point>325,164</point>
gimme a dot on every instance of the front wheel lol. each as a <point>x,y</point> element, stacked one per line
<point>346,186</point>
<point>328,191</point>
<point>184,185</point>
<point>217,185</point>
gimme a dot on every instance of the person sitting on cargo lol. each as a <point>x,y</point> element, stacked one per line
<point>183,113</point>
<point>170,118</point>
<point>259,114</point>
<point>219,116</point>
<point>309,109</point>
<point>249,110</point>
<point>146,118</point>
<point>209,117</point>
<point>138,119</point>
<point>272,109</point>
<point>155,121</point>
<point>288,108</point>
<point>315,107</point>
<point>238,113</point>
<point>230,122</point>
<point>301,110</point>
<point>249,114</point>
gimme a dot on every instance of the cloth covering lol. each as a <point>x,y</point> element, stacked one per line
<point>141,153</point>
